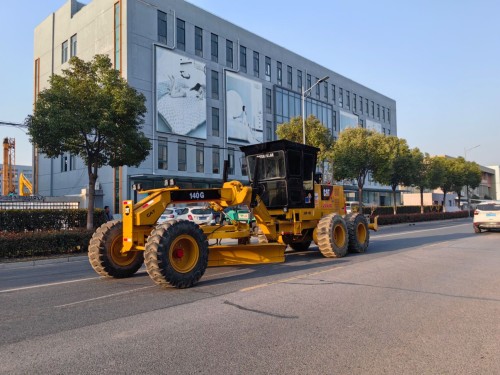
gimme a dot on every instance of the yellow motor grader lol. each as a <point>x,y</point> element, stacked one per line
<point>290,204</point>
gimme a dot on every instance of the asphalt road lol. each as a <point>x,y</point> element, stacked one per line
<point>424,299</point>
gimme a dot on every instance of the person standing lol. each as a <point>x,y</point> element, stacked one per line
<point>108,214</point>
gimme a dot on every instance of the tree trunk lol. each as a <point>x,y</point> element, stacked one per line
<point>90,203</point>
<point>421,200</point>
<point>394,204</point>
<point>459,196</point>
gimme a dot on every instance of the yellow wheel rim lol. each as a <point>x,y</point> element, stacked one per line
<point>119,258</point>
<point>339,236</point>
<point>361,233</point>
<point>184,253</point>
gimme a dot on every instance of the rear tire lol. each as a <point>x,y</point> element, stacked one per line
<point>359,235</point>
<point>105,255</point>
<point>331,233</point>
<point>176,254</point>
<point>477,230</point>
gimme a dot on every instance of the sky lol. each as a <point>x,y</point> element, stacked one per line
<point>438,59</point>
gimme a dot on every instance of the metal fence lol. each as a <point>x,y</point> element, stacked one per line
<point>34,203</point>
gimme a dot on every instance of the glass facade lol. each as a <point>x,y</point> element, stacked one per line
<point>288,105</point>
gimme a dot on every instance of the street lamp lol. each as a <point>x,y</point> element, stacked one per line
<point>304,93</point>
<point>467,186</point>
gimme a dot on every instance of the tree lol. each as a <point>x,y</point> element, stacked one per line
<point>317,135</point>
<point>356,153</point>
<point>397,167</point>
<point>464,173</point>
<point>422,174</point>
<point>92,112</point>
<point>442,174</point>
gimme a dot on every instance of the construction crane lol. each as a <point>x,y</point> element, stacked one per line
<point>9,161</point>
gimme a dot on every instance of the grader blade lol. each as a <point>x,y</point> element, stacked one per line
<point>230,255</point>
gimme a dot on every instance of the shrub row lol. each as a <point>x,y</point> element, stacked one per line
<point>413,218</point>
<point>47,220</point>
<point>39,244</point>
<point>388,210</point>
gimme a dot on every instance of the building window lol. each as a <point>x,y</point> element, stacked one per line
<point>279,73</point>
<point>215,122</point>
<point>348,99</point>
<point>215,48</point>
<point>361,104</point>
<point>162,153</point>
<point>269,131</point>
<point>181,155</point>
<point>243,59</point>
<point>334,120</point>
<point>230,156</point>
<point>64,163</point>
<point>378,111</point>
<point>317,87</point>
<point>215,84</point>
<point>198,41</point>
<point>118,36</point>
<point>73,46</point>
<point>200,158</point>
<point>287,104</point>
<point>366,107</point>
<point>354,102</point>
<point>268,69</point>
<point>289,76</point>
<point>162,27</point>
<point>229,53</point>
<point>383,114</point>
<point>388,115</point>
<point>341,97</point>
<point>255,63</point>
<point>64,52</point>
<point>181,34</point>
<point>309,81</point>
<point>333,93</point>
<point>244,166</point>
<point>299,80</point>
<point>325,90</point>
<point>361,123</point>
<point>268,101</point>
<point>373,109</point>
<point>215,159</point>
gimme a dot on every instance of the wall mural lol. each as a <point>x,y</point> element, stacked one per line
<point>244,116</point>
<point>180,94</point>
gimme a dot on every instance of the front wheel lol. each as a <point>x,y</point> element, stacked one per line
<point>105,254</point>
<point>176,254</point>
<point>331,235</point>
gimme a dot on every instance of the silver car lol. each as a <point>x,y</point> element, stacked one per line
<point>168,214</point>
<point>487,216</point>
<point>199,215</point>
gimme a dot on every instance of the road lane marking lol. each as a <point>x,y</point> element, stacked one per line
<point>46,285</point>
<point>416,231</point>
<point>289,279</point>
<point>107,296</point>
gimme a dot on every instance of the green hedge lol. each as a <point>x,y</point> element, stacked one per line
<point>40,244</point>
<point>413,218</point>
<point>388,210</point>
<point>47,220</point>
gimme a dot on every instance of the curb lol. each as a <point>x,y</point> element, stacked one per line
<point>41,262</point>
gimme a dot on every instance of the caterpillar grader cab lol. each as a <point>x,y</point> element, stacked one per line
<point>290,205</point>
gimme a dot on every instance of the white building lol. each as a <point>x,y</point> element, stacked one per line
<point>210,85</point>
